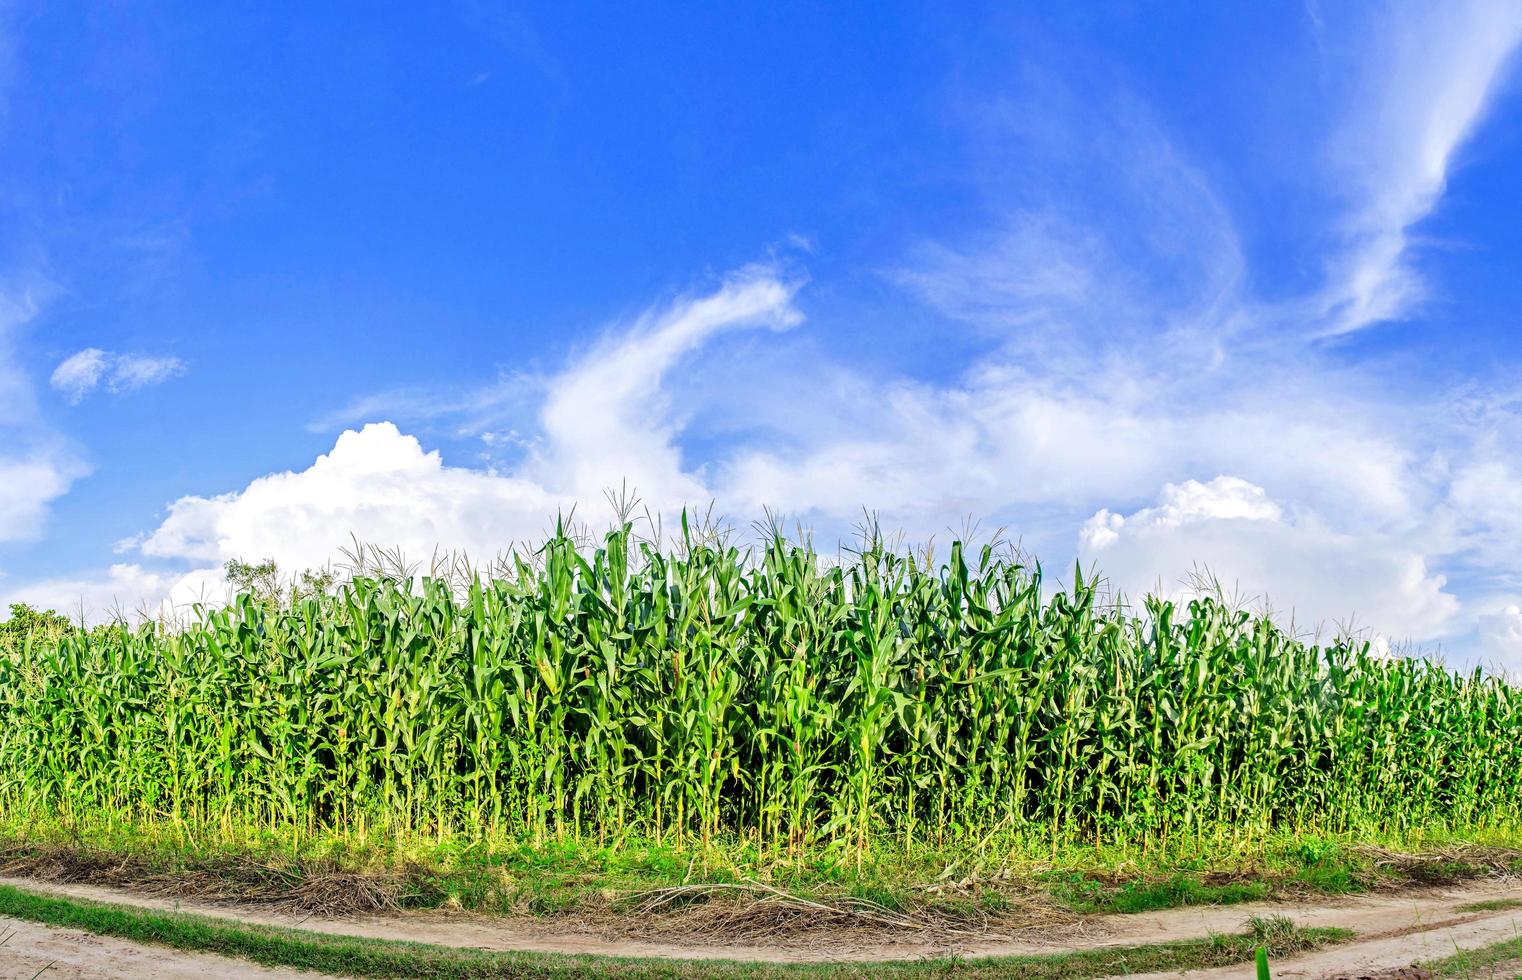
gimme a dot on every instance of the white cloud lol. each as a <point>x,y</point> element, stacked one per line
<point>999,444</point>
<point>376,483</point>
<point>1346,540</point>
<point>1322,577</point>
<point>28,486</point>
<point>134,371</point>
<point>122,590</point>
<point>80,374</point>
<point>126,591</point>
<point>1486,498</point>
<point>1104,232</point>
<point>1224,498</point>
<point>36,467</point>
<point>1501,639</point>
<point>1043,452</point>
<point>1433,70</point>
<point>604,420</point>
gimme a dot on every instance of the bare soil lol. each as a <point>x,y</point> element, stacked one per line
<point>48,953</point>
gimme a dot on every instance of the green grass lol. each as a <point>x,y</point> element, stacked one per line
<point>359,957</point>
<point>1499,961</point>
<point>570,877</point>
<point>1492,905</point>
<point>1088,895</point>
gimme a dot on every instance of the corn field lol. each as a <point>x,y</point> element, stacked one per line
<point>765,696</point>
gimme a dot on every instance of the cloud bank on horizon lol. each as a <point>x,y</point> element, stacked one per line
<point>1128,378</point>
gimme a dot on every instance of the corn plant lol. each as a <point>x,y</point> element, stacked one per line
<point>708,692</point>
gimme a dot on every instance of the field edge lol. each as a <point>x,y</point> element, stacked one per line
<point>381,958</point>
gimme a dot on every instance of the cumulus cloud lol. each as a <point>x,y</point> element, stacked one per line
<point>80,374</point>
<point>1000,444</point>
<point>603,420</point>
<point>1224,498</point>
<point>1250,543</point>
<point>377,484</point>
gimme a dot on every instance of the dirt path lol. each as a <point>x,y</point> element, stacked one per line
<point>1397,930</point>
<point>1373,955</point>
<point>29,950</point>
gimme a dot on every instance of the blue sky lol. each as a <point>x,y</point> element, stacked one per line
<point>1160,287</point>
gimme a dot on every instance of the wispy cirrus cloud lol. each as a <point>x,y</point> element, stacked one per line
<point>82,373</point>
<point>1431,72</point>
<point>478,410</point>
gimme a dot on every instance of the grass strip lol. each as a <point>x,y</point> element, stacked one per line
<point>1494,962</point>
<point>363,957</point>
<point>1492,905</point>
<point>333,874</point>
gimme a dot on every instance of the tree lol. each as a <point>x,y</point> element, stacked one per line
<point>25,621</point>
<point>263,582</point>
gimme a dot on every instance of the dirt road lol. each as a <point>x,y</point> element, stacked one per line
<point>1375,954</point>
<point>1394,930</point>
